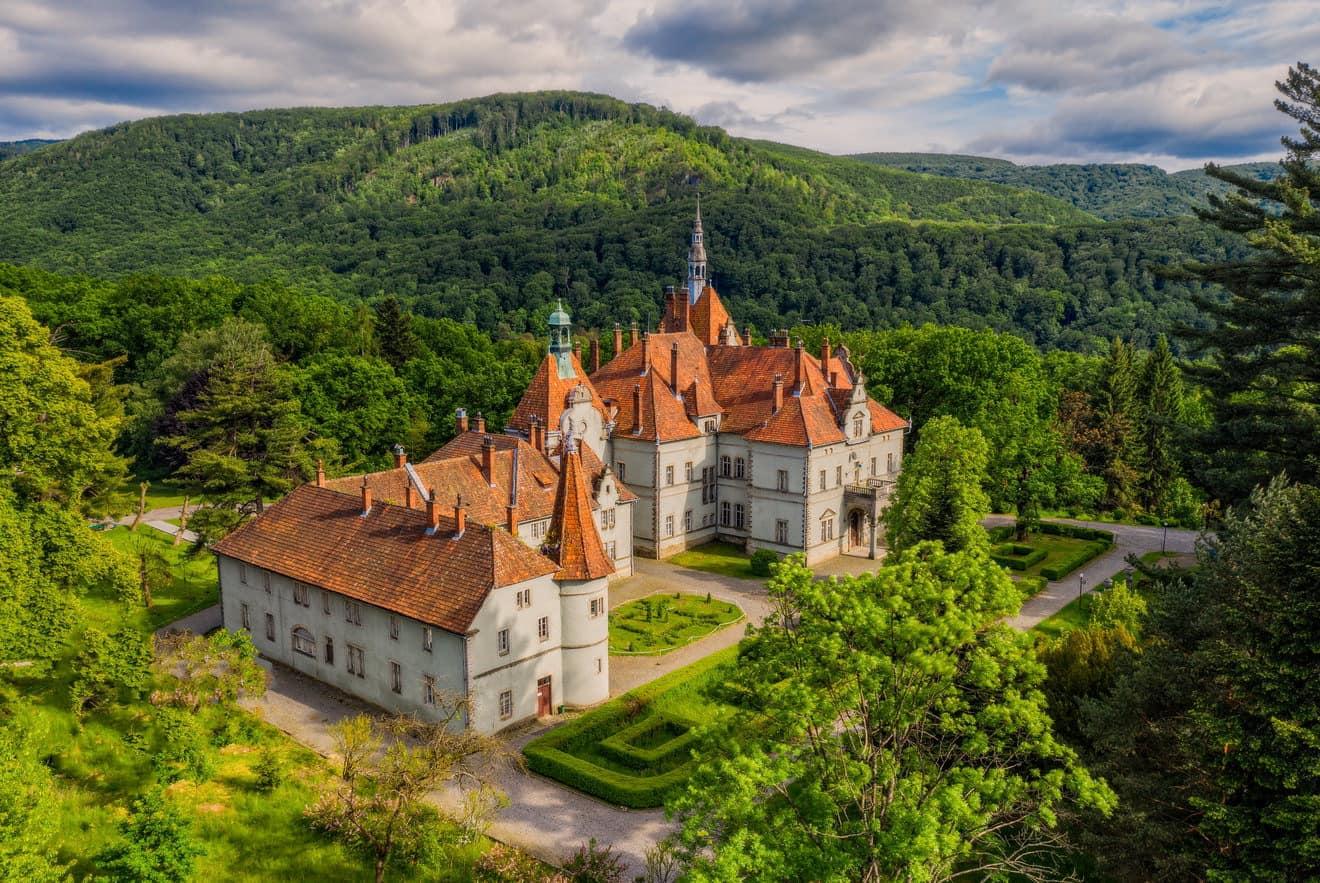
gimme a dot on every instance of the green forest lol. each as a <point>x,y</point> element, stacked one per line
<point>1112,191</point>
<point>485,211</point>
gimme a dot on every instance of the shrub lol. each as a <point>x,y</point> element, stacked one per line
<point>594,864</point>
<point>504,864</point>
<point>761,561</point>
<point>1066,565</point>
<point>1075,531</point>
<point>1001,533</point>
<point>269,770</point>
<point>1031,585</point>
<point>1017,556</point>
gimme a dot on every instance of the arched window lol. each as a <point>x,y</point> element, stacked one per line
<point>303,642</point>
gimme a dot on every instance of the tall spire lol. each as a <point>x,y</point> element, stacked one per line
<point>696,280</point>
<point>572,540</point>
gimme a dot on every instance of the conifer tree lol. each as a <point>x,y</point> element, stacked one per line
<point>395,337</point>
<point>1116,403</point>
<point>1263,365</point>
<point>1161,413</point>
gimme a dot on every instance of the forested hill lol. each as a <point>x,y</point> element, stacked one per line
<point>14,148</point>
<point>487,210</point>
<point>1109,190</point>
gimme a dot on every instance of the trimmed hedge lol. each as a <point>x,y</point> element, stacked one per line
<point>1001,533</point>
<point>1065,566</point>
<point>619,746</point>
<point>546,755</point>
<point>1076,532</point>
<point>1018,557</point>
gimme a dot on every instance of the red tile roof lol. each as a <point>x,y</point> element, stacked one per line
<point>573,540</point>
<point>546,396</point>
<point>386,558</point>
<point>709,317</point>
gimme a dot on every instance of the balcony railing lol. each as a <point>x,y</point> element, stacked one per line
<point>878,489</point>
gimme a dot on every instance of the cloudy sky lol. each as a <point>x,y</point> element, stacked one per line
<point>1174,82</point>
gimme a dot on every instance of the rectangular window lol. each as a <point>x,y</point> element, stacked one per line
<point>597,607</point>
<point>265,580</point>
<point>523,598</point>
<point>889,462</point>
<point>619,470</point>
<point>607,519</point>
<point>669,525</point>
<point>725,513</point>
<point>352,612</point>
<point>426,639</point>
<point>394,628</point>
<point>502,642</point>
<point>611,549</point>
<point>325,603</point>
<point>826,529</point>
<point>873,465</point>
<point>538,529</point>
<point>600,665</point>
<point>687,521</point>
<point>301,595</point>
<point>242,573</point>
<point>356,661</point>
<point>669,475</point>
<point>428,689</point>
<point>687,471</point>
<point>506,705</point>
<point>270,627</point>
<point>739,516</point>
<point>822,479</point>
<point>726,466</point>
<point>396,677</point>
<point>783,479</point>
<point>303,642</point>
<point>329,650</point>
<point>739,468</point>
<point>781,532</point>
<point>243,617</point>
<point>543,628</point>
<point>838,476</point>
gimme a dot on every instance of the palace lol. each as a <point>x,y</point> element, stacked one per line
<point>767,447</point>
<point>483,569</point>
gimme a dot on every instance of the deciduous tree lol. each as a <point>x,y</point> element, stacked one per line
<point>895,730</point>
<point>939,495</point>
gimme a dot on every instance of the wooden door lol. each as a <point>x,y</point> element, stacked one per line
<point>543,697</point>
<point>856,519</point>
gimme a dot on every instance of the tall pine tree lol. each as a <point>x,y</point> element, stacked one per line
<point>1161,412</point>
<point>394,334</point>
<point>1263,353</point>
<point>1116,406</point>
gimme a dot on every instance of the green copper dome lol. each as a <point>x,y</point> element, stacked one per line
<point>559,317</point>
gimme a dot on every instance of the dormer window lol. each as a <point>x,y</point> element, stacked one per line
<point>857,426</point>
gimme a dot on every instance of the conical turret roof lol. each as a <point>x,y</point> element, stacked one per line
<point>572,540</point>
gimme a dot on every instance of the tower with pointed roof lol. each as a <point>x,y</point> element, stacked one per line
<point>561,341</point>
<point>696,280</point>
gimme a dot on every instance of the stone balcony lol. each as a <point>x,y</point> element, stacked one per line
<point>871,493</point>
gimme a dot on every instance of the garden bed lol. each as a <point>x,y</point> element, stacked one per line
<point>659,623</point>
<point>635,750</point>
<point>1052,551</point>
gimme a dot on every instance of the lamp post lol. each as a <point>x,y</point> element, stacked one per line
<point>1081,585</point>
<point>1164,543</point>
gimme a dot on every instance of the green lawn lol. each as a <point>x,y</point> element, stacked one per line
<point>163,494</point>
<point>725,559</point>
<point>659,623</point>
<point>193,581</point>
<point>1076,615</point>
<point>636,750</point>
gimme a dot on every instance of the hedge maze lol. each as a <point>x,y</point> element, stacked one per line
<point>636,750</point>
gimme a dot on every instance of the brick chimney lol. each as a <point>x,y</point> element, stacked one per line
<point>637,407</point>
<point>618,339</point>
<point>595,354</point>
<point>432,513</point>
<point>670,321</point>
<point>673,365</point>
<point>834,380</point>
<point>684,313</point>
<point>632,335</point>
<point>646,353</point>
<point>488,460</point>
<point>460,421</point>
<point>537,434</point>
<point>460,516</point>
<point>747,335</point>
<point>409,494</point>
<point>779,394</point>
<point>825,356</point>
<point>797,366</point>
<point>320,473</point>
<point>400,456</point>
<point>366,496</point>
<point>480,423</point>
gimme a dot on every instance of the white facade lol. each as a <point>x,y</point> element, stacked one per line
<point>528,640</point>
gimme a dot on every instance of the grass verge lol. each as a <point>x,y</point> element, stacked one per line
<point>192,584</point>
<point>725,559</point>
